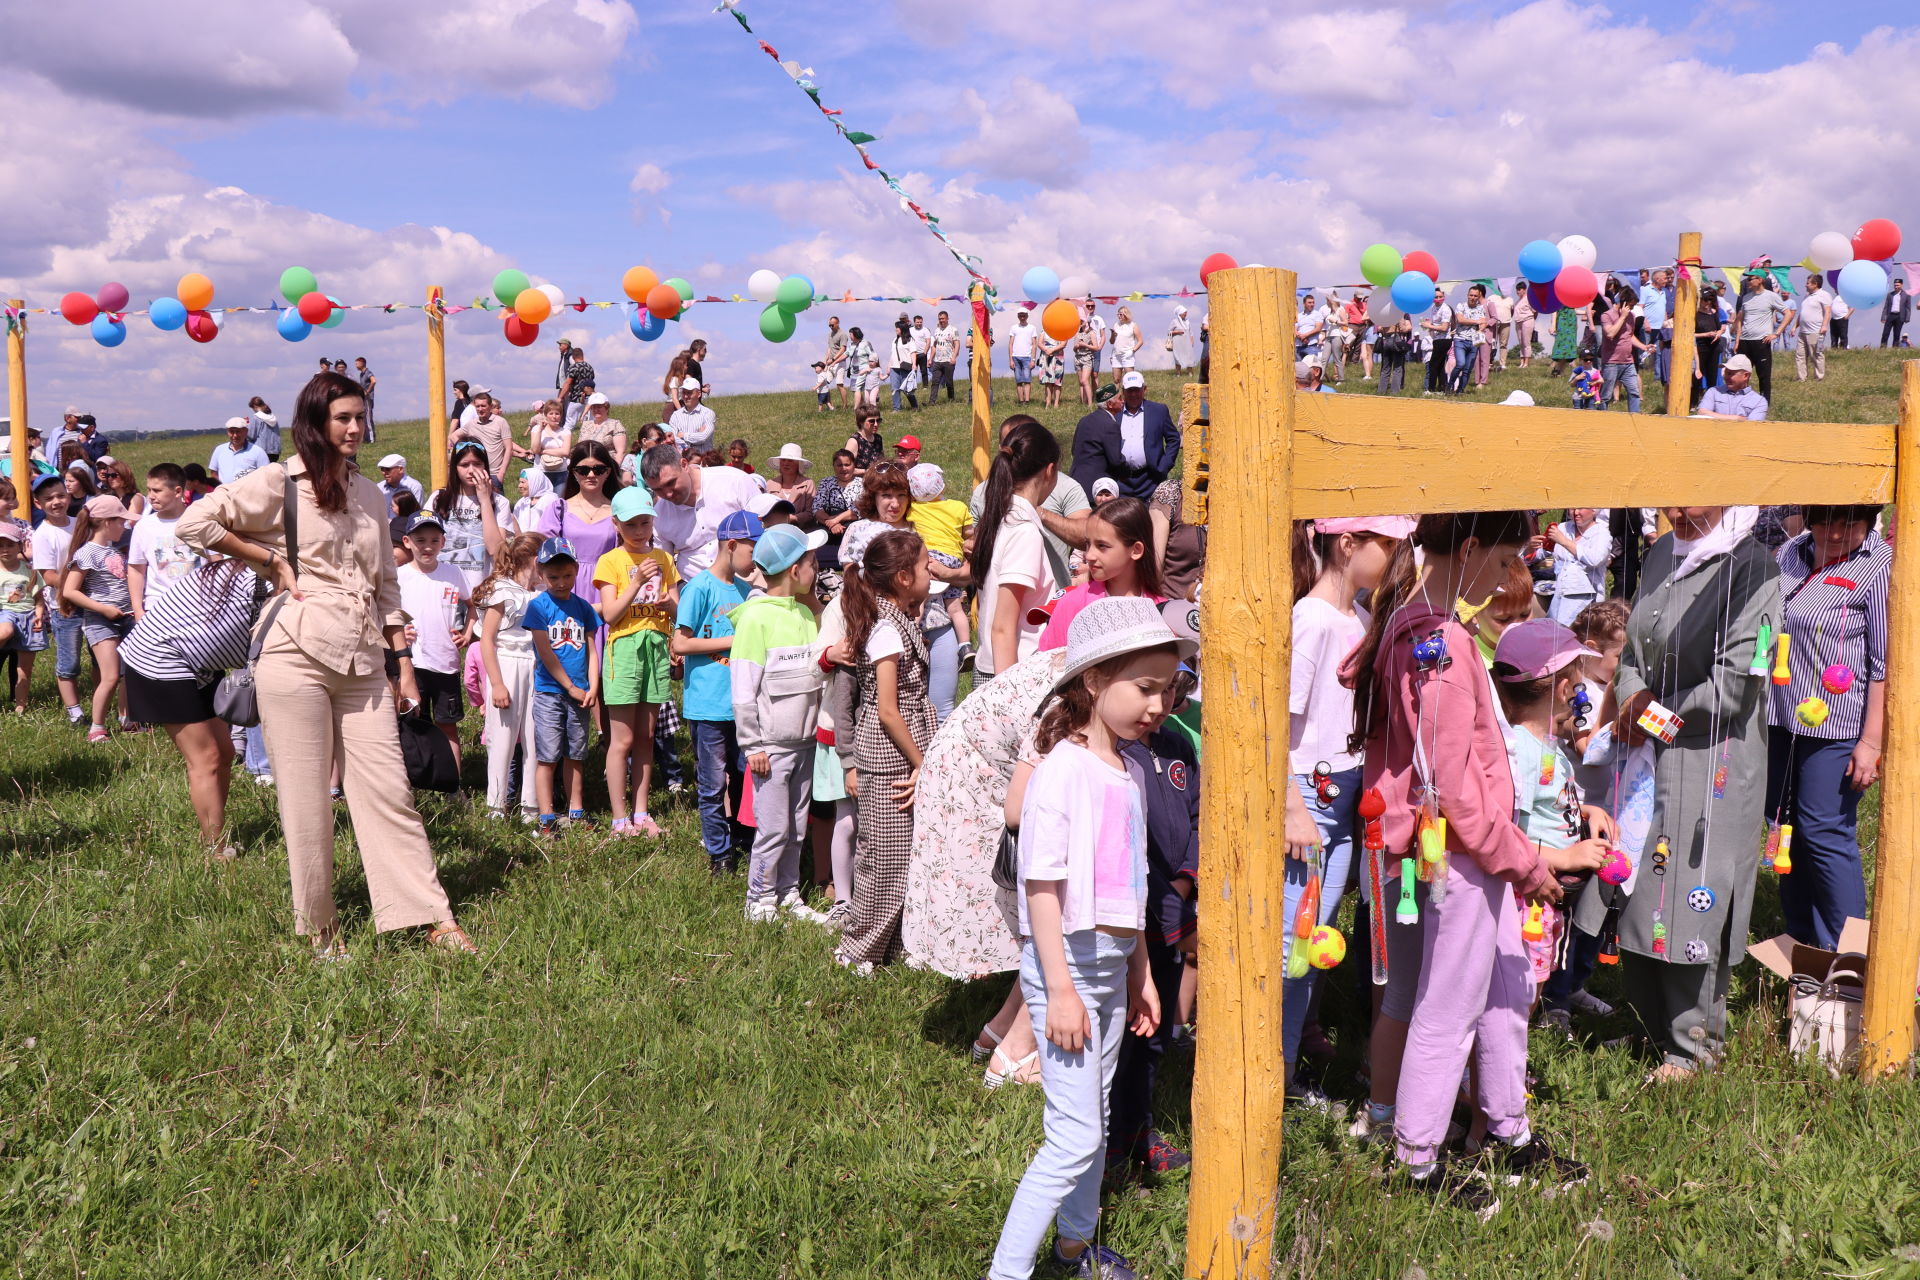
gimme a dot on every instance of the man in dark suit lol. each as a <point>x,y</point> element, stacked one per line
<point>1894,314</point>
<point>1129,437</point>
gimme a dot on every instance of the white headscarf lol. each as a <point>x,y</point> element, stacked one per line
<point>529,511</point>
<point>1735,523</point>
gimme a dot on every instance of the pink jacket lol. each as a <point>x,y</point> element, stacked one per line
<point>1459,728</point>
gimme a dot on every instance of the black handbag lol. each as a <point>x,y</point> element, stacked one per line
<point>429,756</point>
<point>236,699</point>
<point>1006,860</point>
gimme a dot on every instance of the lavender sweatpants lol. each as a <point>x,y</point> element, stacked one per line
<point>1475,987</point>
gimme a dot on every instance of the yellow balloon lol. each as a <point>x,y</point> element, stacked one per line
<point>195,291</point>
<point>637,281</point>
<point>1061,320</point>
<point>533,306</point>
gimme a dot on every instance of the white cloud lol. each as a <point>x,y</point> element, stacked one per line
<point>650,179</point>
<point>1028,132</point>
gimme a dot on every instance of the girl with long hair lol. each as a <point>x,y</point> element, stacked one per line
<point>1120,562</point>
<point>584,514</point>
<point>94,581</point>
<point>475,517</point>
<point>1009,558</point>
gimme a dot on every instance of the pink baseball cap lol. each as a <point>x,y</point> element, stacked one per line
<point>1396,527</point>
<point>1538,647</point>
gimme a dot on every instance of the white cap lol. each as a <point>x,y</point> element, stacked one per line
<point>1133,378</point>
<point>1519,398</point>
<point>1107,485</point>
<point>1116,625</point>
<point>597,398</point>
<point>241,423</point>
<point>73,411</point>
<point>392,460</point>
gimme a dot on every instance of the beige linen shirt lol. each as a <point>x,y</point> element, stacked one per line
<point>346,562</point>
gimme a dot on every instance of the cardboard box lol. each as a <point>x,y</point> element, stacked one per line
<point>1824,992</point>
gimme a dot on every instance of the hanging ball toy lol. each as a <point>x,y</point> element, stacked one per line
<point>1617,870</point>
<point>1326,948</point>
<point>1837,678</point>
<point>1812,712</point>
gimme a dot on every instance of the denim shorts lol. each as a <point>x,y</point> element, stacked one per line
<point>559,728</point>
<point>1022,368</point>
<point>25,639</point>
<point>96,628</point>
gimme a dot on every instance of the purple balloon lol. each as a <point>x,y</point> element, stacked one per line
<point>1543,298</point>
<point>113,296</point>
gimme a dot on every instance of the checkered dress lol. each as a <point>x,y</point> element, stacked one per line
<point>883,847</point>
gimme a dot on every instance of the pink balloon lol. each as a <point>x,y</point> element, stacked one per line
<point>113,296</point>
<point>1576,286</point>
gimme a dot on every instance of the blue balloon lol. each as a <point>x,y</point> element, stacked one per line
<point>1541,260</point>
<point>1040,284</point>
<point>1862,283</point>
<point>291,326</point>
<point>107,331</point>
<point>1413,292</point>
<point>645,325</point>
<point>167,313</point>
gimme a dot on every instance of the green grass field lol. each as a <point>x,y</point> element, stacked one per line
<point>632,1081</point>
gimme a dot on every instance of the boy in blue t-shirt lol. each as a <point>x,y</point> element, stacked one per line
<point>703,636</point>
<point>566,680</point>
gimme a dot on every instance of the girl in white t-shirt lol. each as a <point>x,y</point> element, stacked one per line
<point>1333,561</point>
<point>1126,340</point>
<point>506,650</point>
<point>1009,552</point>
<point>1083,894</point>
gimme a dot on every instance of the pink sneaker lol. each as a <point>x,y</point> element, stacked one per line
<point>649,828</point>
<point>96,734</point>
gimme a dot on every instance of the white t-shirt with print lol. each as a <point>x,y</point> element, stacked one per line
<point>431,599</point>
<point>167,559</point>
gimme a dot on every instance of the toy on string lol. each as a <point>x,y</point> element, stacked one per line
<point>1408,912</point>
<point>1327,947</point>
<point>1325,789</point>
<point>1372,806</point>
<point>1306,917</point>
<point>1762,646</point>
<point>1430,651</point>
<point>1581,705</point>
<point>1780,848</point>
<point>1659,861</point>
<point>1782,673</point>
<point>1535,928</point>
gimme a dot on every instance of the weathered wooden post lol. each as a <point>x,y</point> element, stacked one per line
<point>437,385</point>
<point>17,408</point>
<point>1246,660</point>
<point>1686,300</point>
<point>981,376</point>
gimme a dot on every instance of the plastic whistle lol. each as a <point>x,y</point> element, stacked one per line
<point>1407,912</point>
<point>1783,856</point>
<point>1535,929</point>
<point>1762,645</point>
<point>1780,673</point>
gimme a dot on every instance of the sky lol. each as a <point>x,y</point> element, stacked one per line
<point>392,144</point>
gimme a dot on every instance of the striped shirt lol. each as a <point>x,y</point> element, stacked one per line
<point>1836,614</point>
<point>199,628</point>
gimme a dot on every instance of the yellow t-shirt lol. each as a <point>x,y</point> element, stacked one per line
<point>650,610</point>
<point>941,525</point>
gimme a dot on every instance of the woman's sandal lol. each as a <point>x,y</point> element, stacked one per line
<point>451,937</point>
<point>330,949</point>
<point>982,1051</point>
<point>1025,1071</point>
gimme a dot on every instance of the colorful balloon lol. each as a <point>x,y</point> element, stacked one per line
<point>685,290</point>
<point>1544,299</point>
<point>78,308</point>
<point>510,284</point>
<point>1877,239</point>
<point>1380,265</point>
<point>314,307</point>
<point>637,281</point>
<point>1830,251</point>
<point>107,331</point>
<point>1540,260</point>
<point>532,306</point>
<point>1577,251</point>
<point>338,314</point>
<point>777,324</point>
<point>195,292</point>
<point>1413,291</point>
<point>113,296</point>
<point>1061,319</point>
<point>645,325</point>
<point>763,286</point>
<point>794,295</point>
<point>1041,285</point>
<point>1423,262</point>
<point>1862,283</point>
<point>663,300</point>
<point>1214,262</point>
<point>201,326</point>
<point>1576,285</point>
<point>1380,308</point>
<point>296,283</point>
<point>293,326</point>
<point>518,331</point>
<point>166,313</point>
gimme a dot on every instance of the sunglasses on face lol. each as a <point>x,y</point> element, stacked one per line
<point>590,471</point>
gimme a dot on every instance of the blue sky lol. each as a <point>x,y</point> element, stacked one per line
<point>389,144</point>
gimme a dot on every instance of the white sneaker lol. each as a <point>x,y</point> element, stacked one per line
<point>262,779</point>
<point>763,911</point>
<point>796,906</point>
<point>1592,1006</point>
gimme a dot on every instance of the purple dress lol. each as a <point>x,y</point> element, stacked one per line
<point>590,541</point>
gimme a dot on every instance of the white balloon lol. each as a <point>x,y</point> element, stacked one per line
<point>763,285</point>
<point>1255,266</point>
<point>1578,251</point>
<point>1075,287</point>
<point>1830,251</point>
<point>1380,308</point>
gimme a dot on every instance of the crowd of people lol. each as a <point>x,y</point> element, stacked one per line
<point>1527,750</point>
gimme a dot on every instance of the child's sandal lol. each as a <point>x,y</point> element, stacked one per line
<point>451,937</point>
<point>982,1051</point>
<point>1025,1071</point>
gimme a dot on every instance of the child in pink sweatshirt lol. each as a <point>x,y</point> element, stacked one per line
<point>1458,978</point>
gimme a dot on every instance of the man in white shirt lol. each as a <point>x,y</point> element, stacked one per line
<point>692,423</point>
<point>1816,319</point>
<point>946,350</point>
<point>236,457</point>
<point>1436,328</point>
<point>689,504</point>
<point>1020,340</point>
<point>922,340</point>
<point>395,481</point>
<point>1309,328</point>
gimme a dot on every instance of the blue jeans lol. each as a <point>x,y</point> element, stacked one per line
<point>1022,368</point>
<point>66,644</point>
<point>255,751</point>
<point>718,767</point>
<point>1463,354</point>
<point>1338,823</point>
<point>897,380</point>
<point>1807,786</point>
<point>1063,1183</point>
<point>666,753</point>
<point>1611,374</point>
<point>943,671</point>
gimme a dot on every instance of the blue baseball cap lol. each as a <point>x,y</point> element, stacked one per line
<point>557,549</point>
<point>634,500</point>
<point>423,519</point>
<point>738,526</point>
<point>781,547</point>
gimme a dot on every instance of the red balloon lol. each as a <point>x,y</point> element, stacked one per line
<point>315,308</point>
<point>1877,240</point>
<point>78,308</point>
<point>113,297</point>
<point>1423,262</point>
<point>200,326</point>
<point>519,332</point>
<point>1576,285</point>
<point>1215,262</point>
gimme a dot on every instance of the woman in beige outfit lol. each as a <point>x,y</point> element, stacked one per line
<point>321,675</point>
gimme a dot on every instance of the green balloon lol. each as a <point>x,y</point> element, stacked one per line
<point>510,284</point>
<point>1380,264</point>
<point>794,294</point>
<point>681,287</point>
<point>338,315</point>
<point>776,324</point>
<point>296,283</point>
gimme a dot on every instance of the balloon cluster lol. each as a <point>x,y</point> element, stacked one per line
<point>189,308</point>
<point>1559,274</point>
<point>1409,280</point>
<point>102,313</point>
<point>527,304</point>
<point>310,306</point>
<point>1059,318</point>
<point>660,301</point>
<point>783,297</point>
<point>1853,263</point>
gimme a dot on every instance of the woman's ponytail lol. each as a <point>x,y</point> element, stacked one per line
<point>1026,449</point>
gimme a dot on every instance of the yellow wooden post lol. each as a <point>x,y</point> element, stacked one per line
<point>1193,453</point>
<point>17,409</point>
<point>1686,300</point>
<point>437,385</point>
<point>984,445</point>
<point>1238,1074</point>
<point>1894,952</point>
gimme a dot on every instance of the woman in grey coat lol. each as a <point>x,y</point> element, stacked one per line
<point>1704,590</point>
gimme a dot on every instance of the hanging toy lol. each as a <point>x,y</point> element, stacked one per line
<point>1327,947</point>
<point>1618,869</point>
<point>1700,898</point>
<point>1546,769</point>
<point>1781,675</point>
<point>1325,789</point>
<point>1659,938</point>
<point>1372,805</point>
<point>1581,704</point>
<point>1812,711</point>
<point>1305,918</point>
<point>1783,854</point>
<point>1610,948</point>
<point>1762,645</point>
<point>1837,679</point>
<point>1407,912</point>
<point>1660,722</point>
<point>1430,651</point>
<point>1720,778</point>
<point>1535,929</point>
<point>1432,837</point>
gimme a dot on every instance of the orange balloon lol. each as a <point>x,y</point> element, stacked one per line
<point>663,300</point>
<point>195,291</point>
<point>533,306</point>
<point>1061,319</point>
<point>638,282</point>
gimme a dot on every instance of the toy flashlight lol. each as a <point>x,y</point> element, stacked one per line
<point>1781,675</point>
<point>1783,856</point>
<point>1407,912</point>
<point>1762,645</point>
